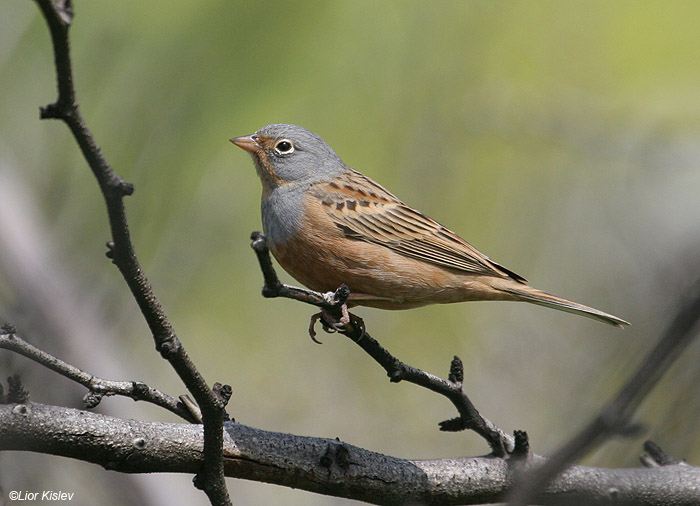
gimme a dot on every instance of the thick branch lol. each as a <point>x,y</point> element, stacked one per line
<point>324,466</point>
<point>469,418</point>
<point>59,15</point>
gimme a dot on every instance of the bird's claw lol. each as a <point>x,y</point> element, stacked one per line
<point>329,323</point>
<point>312,332</point>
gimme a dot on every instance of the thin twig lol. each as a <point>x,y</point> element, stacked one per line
<point>469,418</point>
<point>97,387</point>
<point>616,417</point>
<point>654,456</point>
<point>58,17</point>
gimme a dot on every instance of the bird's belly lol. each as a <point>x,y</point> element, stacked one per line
<point>377,276</point>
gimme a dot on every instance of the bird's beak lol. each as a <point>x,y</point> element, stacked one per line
<point>247,142</point>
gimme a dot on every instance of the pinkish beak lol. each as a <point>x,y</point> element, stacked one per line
<point>246,142</point>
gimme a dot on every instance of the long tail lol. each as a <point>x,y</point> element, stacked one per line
<point>529,294</point>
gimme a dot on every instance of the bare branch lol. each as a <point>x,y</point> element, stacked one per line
<point>655,456</point>
<point>324,466</point>
<point>59,15</point>
<point>469,418</point>
<point>97,387</point>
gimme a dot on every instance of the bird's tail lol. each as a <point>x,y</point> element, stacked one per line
<point>529,294</point>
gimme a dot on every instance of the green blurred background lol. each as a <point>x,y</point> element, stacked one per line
<point>560,138</point>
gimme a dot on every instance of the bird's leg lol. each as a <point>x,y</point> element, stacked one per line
<point>344,319</point>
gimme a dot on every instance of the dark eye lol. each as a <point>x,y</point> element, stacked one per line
<point>284,147</point>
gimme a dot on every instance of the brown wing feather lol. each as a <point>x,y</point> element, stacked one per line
<point>366,211</point>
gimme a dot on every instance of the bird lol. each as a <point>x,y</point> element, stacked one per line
<point>328,224</point>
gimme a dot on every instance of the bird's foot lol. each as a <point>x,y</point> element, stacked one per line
<point>329,322</point>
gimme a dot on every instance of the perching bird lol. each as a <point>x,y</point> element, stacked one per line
<point>327,224</point>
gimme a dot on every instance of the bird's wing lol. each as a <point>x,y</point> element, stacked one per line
<point>366,211</point>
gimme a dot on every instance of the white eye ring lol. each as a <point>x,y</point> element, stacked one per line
<point>284,147</point>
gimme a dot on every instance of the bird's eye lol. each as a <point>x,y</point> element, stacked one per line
<point>284,147</point>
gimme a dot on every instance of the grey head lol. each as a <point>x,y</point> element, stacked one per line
<point>286,154</point>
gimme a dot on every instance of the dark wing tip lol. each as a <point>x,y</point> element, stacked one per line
<point>515,276</point>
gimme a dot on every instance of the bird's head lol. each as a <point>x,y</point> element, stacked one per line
<point>289,154</point>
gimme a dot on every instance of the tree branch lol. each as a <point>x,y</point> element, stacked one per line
<point>655,456</point>
<point>451,388</point>
<point>324,466</point>
<point>59,15</point>
<point>97,387</point>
